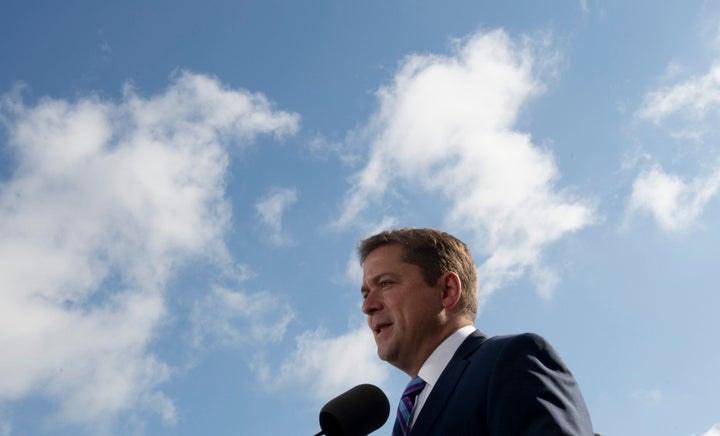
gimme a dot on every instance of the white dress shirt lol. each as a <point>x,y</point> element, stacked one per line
<point>435,364</point>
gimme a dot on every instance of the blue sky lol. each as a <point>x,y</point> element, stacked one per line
<point>182,187</point>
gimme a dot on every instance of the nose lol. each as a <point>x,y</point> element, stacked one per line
<point>371,304</point>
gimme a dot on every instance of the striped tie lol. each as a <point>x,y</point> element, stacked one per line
<point>406,406</point>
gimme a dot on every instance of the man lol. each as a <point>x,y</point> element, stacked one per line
<point>420,296</point>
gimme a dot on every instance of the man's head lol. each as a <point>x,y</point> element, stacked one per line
<point>419,286</point>
<point>434,252</point>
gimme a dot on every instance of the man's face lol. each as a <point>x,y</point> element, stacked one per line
<point>404,313</point>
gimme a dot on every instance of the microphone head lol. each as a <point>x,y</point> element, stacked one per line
<point>358,412</point>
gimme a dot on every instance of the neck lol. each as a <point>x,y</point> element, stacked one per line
<point>449,329</point>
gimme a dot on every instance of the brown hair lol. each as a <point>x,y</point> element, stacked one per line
<point>435,252</point>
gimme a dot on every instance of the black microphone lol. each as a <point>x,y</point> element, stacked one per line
<point>358,412</point>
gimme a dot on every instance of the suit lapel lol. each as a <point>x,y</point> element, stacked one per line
<point>446,384</point>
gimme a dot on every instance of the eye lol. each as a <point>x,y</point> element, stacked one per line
<point>385,283</point>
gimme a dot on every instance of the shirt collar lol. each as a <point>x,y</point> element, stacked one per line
<point>435,364</point>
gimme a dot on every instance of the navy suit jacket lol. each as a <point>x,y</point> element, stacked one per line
<point>504,385</point>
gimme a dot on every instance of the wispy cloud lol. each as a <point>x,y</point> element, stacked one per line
<point>103,44</point>
<point>696,97</point>
<point>446,124</point>
<point>584,6</point>
<point>106,199</point>
<point>673,202</point>
<point>5,428</point>
<point>271,208</point>
<point>688,108</point>
<point>229,319</point>
<point>327,365</point>
<point>648,397</point>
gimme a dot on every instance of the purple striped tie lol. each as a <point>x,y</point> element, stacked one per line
<point>406,406</point>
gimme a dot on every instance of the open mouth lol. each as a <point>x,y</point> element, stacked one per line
<point>378,329</point>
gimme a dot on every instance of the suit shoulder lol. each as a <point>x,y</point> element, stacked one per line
<point>528,336</point>
<point>519,345</point>
<point>531,340</point>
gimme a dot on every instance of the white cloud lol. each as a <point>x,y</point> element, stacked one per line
<point>229,319</point>
<point>271,209</point>
<point>713,431</point>
<point>447,125</point>
<point>697,97</point>
<point>673,202</point>
<point>688,108</point>
<point>329,366</point>
<point>353,270</point>
<point>106,199</point>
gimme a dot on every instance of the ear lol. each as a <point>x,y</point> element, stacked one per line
<point>452,290</point>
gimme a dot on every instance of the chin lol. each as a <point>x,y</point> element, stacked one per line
<point>387,356</point>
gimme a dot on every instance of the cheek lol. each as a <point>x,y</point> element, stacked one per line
<point>421,312</point>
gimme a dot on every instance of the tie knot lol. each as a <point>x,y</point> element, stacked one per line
<point>414,387</point>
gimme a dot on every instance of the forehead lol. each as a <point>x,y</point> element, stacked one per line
<point>383,257</point>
